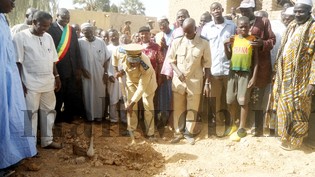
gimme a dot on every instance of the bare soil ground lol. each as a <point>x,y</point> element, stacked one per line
<point>210,157</point>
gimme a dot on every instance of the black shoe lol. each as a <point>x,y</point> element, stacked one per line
<point>6,173</point>
<point>37,155</point>
<point>256,132</point>
<point>98,120</point>
<point>177,139</point>
<point>125,133</point>
<point>54,145</point>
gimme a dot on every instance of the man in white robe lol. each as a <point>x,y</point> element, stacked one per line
<point>113,85</point>
<point>94,59</point>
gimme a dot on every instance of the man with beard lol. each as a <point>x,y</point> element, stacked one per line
<point>295,77</point>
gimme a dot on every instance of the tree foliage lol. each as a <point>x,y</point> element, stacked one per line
<point>18,14</point>
<point>106,6</point>
<point>94,5</point>
<point>114,8</point>
<point>133,7</point>
<point>54,5</point>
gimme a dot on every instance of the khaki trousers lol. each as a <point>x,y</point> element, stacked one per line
<point>148,112</point>
<point>185,112</point>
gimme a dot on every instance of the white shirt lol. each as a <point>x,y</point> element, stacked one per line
<point>278,29</point>
<point>37,55</point>
<point>19,27</point>
<point>217,34</point>
<point>110,70</point>
<point>61,27</point>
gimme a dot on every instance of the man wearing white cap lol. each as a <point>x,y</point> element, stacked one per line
<point>265,39</point>
<point>295,77</point>
<point>94,58</point>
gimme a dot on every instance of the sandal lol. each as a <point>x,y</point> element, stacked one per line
<point>235,137</point>
<point>230,130</point>
<point>288,147</point>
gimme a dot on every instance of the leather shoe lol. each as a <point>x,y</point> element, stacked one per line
<point>177,139</point>
<point>54,145</point>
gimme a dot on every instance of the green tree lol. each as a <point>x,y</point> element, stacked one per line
<point>54,4</point>
<point>133,7</point>
<point>18,14</point>
<point>94,5</point>
<point>106,6</point>
<point>114,8</point>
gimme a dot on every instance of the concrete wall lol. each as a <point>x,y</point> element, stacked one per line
<point>107,20</point>
<point>195,8</point>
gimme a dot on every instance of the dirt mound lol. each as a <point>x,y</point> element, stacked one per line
<point>134,157</point>
<point>140,156</point>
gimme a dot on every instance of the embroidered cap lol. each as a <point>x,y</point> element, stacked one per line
<point>86,25</point>
<point>306,2</point>
<point>247,4</point>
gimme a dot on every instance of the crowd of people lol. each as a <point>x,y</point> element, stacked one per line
<point>262,72</point>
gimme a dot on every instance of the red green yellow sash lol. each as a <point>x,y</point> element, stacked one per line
<point>64,43</point>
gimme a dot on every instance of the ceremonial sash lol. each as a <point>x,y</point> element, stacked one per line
<point>64,43</point>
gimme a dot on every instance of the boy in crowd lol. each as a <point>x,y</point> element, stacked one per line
<point>244,58</point>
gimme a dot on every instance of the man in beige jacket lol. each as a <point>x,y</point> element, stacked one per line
<point>141,83</point>
<point>190,59</point>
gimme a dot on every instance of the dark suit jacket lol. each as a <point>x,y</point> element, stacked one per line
<point>72,60</point>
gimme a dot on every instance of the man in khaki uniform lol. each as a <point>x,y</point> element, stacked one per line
<point>189,56</point>
<point>141,83</point>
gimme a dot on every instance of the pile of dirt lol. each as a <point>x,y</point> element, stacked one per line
<point>140,156</point>
<point>135,157</point>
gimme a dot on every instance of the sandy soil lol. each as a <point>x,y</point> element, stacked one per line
<point>210,157</point>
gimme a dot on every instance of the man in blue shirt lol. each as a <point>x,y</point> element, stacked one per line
<point>217,31</point>
<point>15,142</point>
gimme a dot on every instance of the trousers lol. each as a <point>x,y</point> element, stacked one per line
<point>44,104</point>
